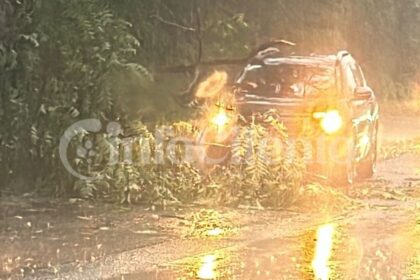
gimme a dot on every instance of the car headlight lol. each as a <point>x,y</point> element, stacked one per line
<point>331,121</point>
<point>221,119</point>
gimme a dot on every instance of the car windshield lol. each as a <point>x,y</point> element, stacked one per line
<point>287,80</point>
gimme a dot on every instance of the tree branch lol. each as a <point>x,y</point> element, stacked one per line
<point>173,24</point>
<point>209,63</point>
<point>226,61</point>
<point>189,92</point>
<point>198,32</point>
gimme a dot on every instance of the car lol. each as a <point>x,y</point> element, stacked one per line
<point>327,93</point>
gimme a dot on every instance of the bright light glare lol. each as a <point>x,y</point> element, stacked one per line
<point>323,249</point>
<point>221,119</point>
<point>215,232</point>
<point>364,141</point>
<point>331,121</point>
<point>207,269</point>
<point>213,85</point>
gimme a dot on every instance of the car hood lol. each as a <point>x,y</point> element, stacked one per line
<point>295,113</point>
<point>285,107</point>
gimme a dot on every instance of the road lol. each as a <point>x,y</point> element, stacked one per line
<point>379,238</point>
<point>381,241</point>
<point>378,241</point>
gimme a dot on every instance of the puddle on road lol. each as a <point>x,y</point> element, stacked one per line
<point>323,250</point>
<point>413,269</point>
<point>311,256</point>
<point>221,264</point>
<point>374,248</point>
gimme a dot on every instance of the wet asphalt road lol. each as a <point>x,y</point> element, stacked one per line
<point>380,241</point>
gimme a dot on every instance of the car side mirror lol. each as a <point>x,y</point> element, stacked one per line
<point>363,93</point>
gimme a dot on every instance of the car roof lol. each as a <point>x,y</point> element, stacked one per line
<point>318,60</point>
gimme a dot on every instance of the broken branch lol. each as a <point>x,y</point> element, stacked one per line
<point>190,68</point>
<point>221,62</point>
<point>173,24</point>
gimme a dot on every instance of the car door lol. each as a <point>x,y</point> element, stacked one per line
<point>362,108</point>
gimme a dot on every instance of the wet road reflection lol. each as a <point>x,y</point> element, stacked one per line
<point>308,257</point>
<point>413,270</point>
<point>208,267</point>
<point>220,264</point>
<point>323,248</point>
<point>377,245</point>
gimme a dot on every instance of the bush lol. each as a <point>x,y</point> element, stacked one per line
<point>258,175</point>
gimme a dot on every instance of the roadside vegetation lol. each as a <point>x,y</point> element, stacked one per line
<point>250,179</point>
<point>394,149</point>
<point>140,62</point>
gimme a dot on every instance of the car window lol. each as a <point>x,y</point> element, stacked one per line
<point>358,75</point>
<point>287,80</point>
<point>350,80</point>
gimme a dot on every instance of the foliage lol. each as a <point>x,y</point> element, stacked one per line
<point>394,149</point>
<point>68,66</point>
<point>321,198</point>
<point>258,174</point>
<point>64,61</point>
<point>208,223</point>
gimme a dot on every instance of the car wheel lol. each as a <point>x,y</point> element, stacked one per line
<point>367,168</point>
<point>343,171</point>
